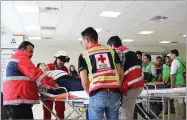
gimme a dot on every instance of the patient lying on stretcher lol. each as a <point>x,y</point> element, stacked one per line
<point>63,79</point>
<point>158,82</point>
<point>165,82</point>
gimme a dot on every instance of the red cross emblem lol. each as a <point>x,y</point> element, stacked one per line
<point>101,58</point>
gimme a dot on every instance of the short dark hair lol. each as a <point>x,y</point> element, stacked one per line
<point>91,33</point>
<point>158,57</point>
<point>24,45</point>
<point>38,65</point>
<point>148,56</point>
<point>138,53</point>
<point>174,51</point>
<point>114,40</point>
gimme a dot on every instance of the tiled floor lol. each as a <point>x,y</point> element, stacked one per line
<point>38,112</point>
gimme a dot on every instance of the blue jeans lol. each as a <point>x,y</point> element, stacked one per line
<point>103,102</point>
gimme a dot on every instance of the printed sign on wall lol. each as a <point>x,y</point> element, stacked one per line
<point>5,57</point>
<point>10,41</point>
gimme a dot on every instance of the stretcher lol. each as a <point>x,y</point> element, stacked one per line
<point>75,99</point>
<point>160,94</point>
<point>78,99</point>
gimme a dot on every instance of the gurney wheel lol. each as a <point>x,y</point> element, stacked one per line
<point>155,107</point>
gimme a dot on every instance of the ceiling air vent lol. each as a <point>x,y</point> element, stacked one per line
<point>159,18</point>
<point>47,28</point>
<point>174,42</point>
<point>48,10</point>
<point>47,38</point>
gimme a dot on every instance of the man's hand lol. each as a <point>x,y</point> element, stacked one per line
<point>50,87</point>
<point>172,86</point>
<point>56,87</point>
<point>44,67</point>
<point>172,80</point>
<point>84,80</point>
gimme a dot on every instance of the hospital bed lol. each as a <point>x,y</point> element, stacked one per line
<point>78,99</point>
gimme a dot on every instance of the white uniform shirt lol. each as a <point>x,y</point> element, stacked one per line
<point>174,66</point>
<point>153,70</point>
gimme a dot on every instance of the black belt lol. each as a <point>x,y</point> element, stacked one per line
<point>107,90</point>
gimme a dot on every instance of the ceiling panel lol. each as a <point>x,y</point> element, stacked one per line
<point>33,33</point>
<point>25,3</point>
<point>30,19</point>
<point>47,33</point>
<point>137,8</point>
<point>47,19</point>
<point>75,16</point>
<point>88,17</point>
<point>118,6</point>
<point>55,4</point>
<point>142,18</point>
<point>69,13</point>
<point>126,20</point>
<point>10,18</point>
<point>94,8</point>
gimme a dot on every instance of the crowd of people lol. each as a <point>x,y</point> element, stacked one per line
<point>112,76</point>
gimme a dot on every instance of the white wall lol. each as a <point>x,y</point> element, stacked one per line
<point>46,54</point>
<point>182,50</point>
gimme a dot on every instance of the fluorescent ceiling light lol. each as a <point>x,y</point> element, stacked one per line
<point>165,42</point>
<point>145,32</point>
<point>184,35</point>
<point>34,38</point>
<point>32,27</point>
<point>110,14</point>
<point>21,9</point>
<point>80,39</point>
<point>98,29</point>
<point>127,40</point>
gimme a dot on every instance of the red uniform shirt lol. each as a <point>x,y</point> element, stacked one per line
<point>52,66</point>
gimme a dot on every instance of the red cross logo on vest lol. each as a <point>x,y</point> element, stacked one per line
<point>102,62</point>
<point>101,58</point>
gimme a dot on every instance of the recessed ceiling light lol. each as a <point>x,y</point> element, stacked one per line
<point>184,35</point>
<point>145,32</point>
<point>80,39</point>
<point>98,29</point>
<point>127,40</point>
<point>110,14</point>
<point>34,38</point>
<point>165,42</point>
<point>32,27</point>
<point>21,9</point>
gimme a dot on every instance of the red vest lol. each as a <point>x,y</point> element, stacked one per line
<point>101,67</point>
<point>133,77</point>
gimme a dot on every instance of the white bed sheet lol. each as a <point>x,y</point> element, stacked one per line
<point>83,94</point>
<point>161,92</point>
